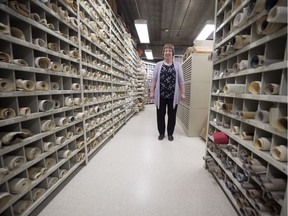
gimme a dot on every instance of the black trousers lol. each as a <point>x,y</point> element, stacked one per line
<point>161,113</point>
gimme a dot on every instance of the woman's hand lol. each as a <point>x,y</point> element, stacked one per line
<point>183,97</point>
<point>151,96</point>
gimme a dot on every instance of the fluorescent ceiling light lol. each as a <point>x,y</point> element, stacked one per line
<point>206,31</point>
<point>149,54</point>
<point>142,30</point>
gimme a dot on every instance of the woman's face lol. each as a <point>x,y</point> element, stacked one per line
<point>168,53</point>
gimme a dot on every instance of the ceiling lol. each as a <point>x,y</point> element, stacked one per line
<point>184,19</point>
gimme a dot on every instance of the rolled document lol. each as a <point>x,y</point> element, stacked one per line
<point>50,162</point>
<point>12,137</point>
<point>35,17</point>
<point>42,62</point>
<point>32,153</point>
<point>20,206</point>
<point>62,172</point>
<point>243,65</point>
<point>55,86</point>
<point>55,66</point>
<point>80,144</point>
<point>6,85</point>
<point>248,115</point>
<point>5,197</point>
<point>74,39</point>
<point>69,101</point>
<point>255,87</point>
<point>19,8</point>
<point>263,143</point>
<point>235,130</point>
<point>227,107</point>
<point>57,103</point>
<point>19,185</point>
<point>46,105</point>
<point>262,116</point>
<point>18,33</point>
<point>64,153</point>
<point>4,29</point>
<point>61,121</point>
<point>5,57</point>
<point>278,14</point>
<point>53,47</point>
<point>14,162</point>
<point>272,89</point>
<point>78,130</point>
<point>20,62</point>
<point>3,173</point>
<point>74,22</point>
<point>74,54</point>
<point>47,146</point>
<point>77,101</point>
<point>6,113</point>
<point>234,88</point>
<point>47,125</point>
<point>51,181</point>
<point>80,157</point>
<point>25,85</point>
<point>42,86</point>
<point>246,136</point>
<point>37,193</point>
<point>76,86</point>
<point>60,140</point>
<point>239,41</point>
<point>275,184</point>
<point>277,121</point>
<point>279,153</point>
<point>39,42</point>
<point>265,27</point>
<point>36,172</point>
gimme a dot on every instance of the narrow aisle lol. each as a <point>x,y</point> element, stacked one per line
<point>134,174</point>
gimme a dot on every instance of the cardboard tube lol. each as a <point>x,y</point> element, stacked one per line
<point>255,87</point>
<point>235,130</point>
<point>265,27</point>
<point>262,143</point>
<point>262,116</point>
<point>247,115</point>
<point>246,136</point>
<point>25,85</point>
<point>14,162</point>
<point>272,89</point>
<point>227,107</point>
<point>275,184</point>
<point>76,86</point>
<point>240,41</point>
<point>18,33</point>
<point>234,88</point>
<point>46,105</point>
<point>278,14</point>
<point>24,111</point>
<point>19,185</point>
<point>78,130</point>
<point>6,113</point>
<point>32,153</point>
<point>80,144</point>
<point>259,6</point>
<point>69,135</point>
<point>277,121</point>
<point>279,153</point>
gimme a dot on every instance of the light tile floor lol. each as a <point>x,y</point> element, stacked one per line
<point>134,174</point>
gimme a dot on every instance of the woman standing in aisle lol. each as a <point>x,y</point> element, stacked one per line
<point>167,89</point>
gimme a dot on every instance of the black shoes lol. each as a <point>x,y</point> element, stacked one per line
<point>160,137</point>
<point>170,138</point>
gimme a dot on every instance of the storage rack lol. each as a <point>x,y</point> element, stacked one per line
<point>192,113</point>
<point>149,67</point>
<point>248,101</point>
<point>65,68</point>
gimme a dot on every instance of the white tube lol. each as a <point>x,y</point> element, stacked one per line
<point>19,185</point>
<point>60,140</point>
<point>42,86</point>
<point>255,87</point>
<point>24,111</point>
<point>14,162</point>
<point>272,89</point>
<point>46,105</point>
<point>262,116</point>
<point>32,152</point>
<point>47,125</point>
<point>263,143</point>
<point>47,146</point>
<point>6,85</point>
<point>25,85</point>
<point>6,113</point>
<point>279,153</point>
<point>278,14</point>
<point>64,153</point>
<point>234,88</point>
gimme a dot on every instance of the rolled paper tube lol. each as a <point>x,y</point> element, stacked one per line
<point>50,162</point>
<point>20,62</point>
<point>55,86</point>
<point>71,119</point>
<point>275,194</point>
<point>263,208</point>
<point>19,8</point>
<point>246,136</point>
<point>265,27</point>
<point>69,101</point>
<point>52,27</point>
<point>69,135</point>
<point>3,173</point>
<point>55,66</point>
<point>62,172</point>
<point>276,121</point>
<point>47,146</point>
<point>80,116</point>
<point>76,86</point>
<point>227,107</point>
<point>243,64</point>
<point>254,161</point>
<point>255,87</point>
<point>35,17</point>
<point>74,39</point>
<point>6,85</point>
<point>79,144</point>
<point>42,62</point>
<point>74,54</point>
<point>42,86</point>
<point>236,67</point>
<point>275,184</point>
<point>53,46</point>
<point>47,125</point>
<point>227,50</point>
<point>64,52</point>
<point>21,206</point>
<point>52,6</point>
<point>263,143</point>
<point>257,169</point>
<point>279,153</point>
<point>5,197</point>
<point>13,137</point>
<point>36,172</point>
<point>61,121</point>
<point>272,89</point>
<point>6,113</point>
<point>19,185</point>
<point>57,103</point>
<point>241,177</point>
<point>278,14</point>
<point>80,157</point>
<point>32,152</point>
<point>239,41</point>
<point>262,116</point>
<point>64,153</point>
<point>228,70</point>
<point>234,88</point>
<point>239,20</point>
<point>259,5</point>
<point>254,193</point>
<point>5,57</point>
<point>77,101</point>
<point>52,181</point>
<point>46,105</point>
<point>25,85</point>
<point>269,4</point>
<point>78,130</point>
<point>40,42</point>
<point>248,115</point>
<point>18,33</point>
<point>37,193</point>
<point>14,162</point>
<point>74,22</point>
<point>60,140</point>
<point>282,124</point>
<point>4,29</point>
